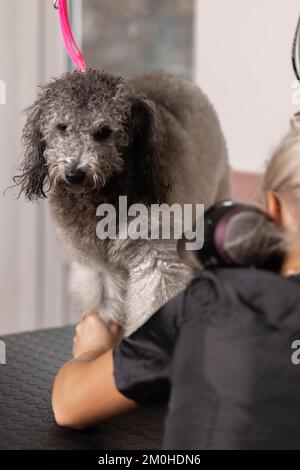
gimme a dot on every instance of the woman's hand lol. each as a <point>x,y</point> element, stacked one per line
<point>84,391</point>
<point>94,336</point>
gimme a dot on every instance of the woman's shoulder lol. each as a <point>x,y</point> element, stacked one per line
<point>251,278</point>
<point>243,283</point>
<point>239,276</point>
<point>250,289</point>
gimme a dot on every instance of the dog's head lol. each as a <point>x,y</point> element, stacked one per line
<point>90,132</point>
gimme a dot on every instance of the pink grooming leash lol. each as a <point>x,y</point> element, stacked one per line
<point>70,44</point>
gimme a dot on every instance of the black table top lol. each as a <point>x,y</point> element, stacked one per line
<point>26,419</point>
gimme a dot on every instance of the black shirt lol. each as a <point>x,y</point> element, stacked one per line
<point>220,354</point>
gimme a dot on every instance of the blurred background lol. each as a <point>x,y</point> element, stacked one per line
<point>238,52</point>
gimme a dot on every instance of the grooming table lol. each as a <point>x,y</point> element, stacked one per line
<point>26,419</point>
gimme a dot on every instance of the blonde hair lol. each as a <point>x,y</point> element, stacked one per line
<point>252,238</point>
<point>258,240</point>
<point>282,175</point>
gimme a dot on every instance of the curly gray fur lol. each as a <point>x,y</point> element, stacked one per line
<point>154,138</point>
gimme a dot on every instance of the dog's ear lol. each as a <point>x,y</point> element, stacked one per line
<point>33,170</point>
<point>149,151</point>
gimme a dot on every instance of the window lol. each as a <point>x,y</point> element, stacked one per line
<point>130,37</point>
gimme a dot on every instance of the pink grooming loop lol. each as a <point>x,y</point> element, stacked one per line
<point>70,44</point>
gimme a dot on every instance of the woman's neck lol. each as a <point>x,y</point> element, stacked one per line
<point>291,265</point>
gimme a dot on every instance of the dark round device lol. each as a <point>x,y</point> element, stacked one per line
<point>235,234</point>
<point>216,223</point>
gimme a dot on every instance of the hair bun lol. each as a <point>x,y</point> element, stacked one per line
<point>237,235</point>
<point>253,239</point>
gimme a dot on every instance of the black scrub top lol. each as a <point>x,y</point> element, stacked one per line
<point>220,354</point>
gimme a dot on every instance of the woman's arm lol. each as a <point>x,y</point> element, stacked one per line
<point>84,391</point>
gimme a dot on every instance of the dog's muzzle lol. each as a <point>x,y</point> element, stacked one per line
<point>75,175</point>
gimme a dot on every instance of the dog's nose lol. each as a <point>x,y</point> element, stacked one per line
<point>75,176</point>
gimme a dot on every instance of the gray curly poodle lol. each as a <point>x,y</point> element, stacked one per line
<point>91,137</point>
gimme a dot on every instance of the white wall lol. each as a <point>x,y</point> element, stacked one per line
<point>243,62</point>
<point>32,275</point>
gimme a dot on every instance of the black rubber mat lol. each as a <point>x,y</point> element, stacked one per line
<point>26,419</point>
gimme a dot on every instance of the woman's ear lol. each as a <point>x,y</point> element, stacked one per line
<point>274,206</point>
<point>282,211</point>
<point>33,170</point>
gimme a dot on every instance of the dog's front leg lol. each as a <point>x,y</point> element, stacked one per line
<point>154,281</point>
<point>100,289</point>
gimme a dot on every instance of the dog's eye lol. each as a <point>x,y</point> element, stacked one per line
<point>62,127</point>
<point>102,134</point>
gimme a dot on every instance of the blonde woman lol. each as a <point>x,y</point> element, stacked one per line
<point>219,354</point>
